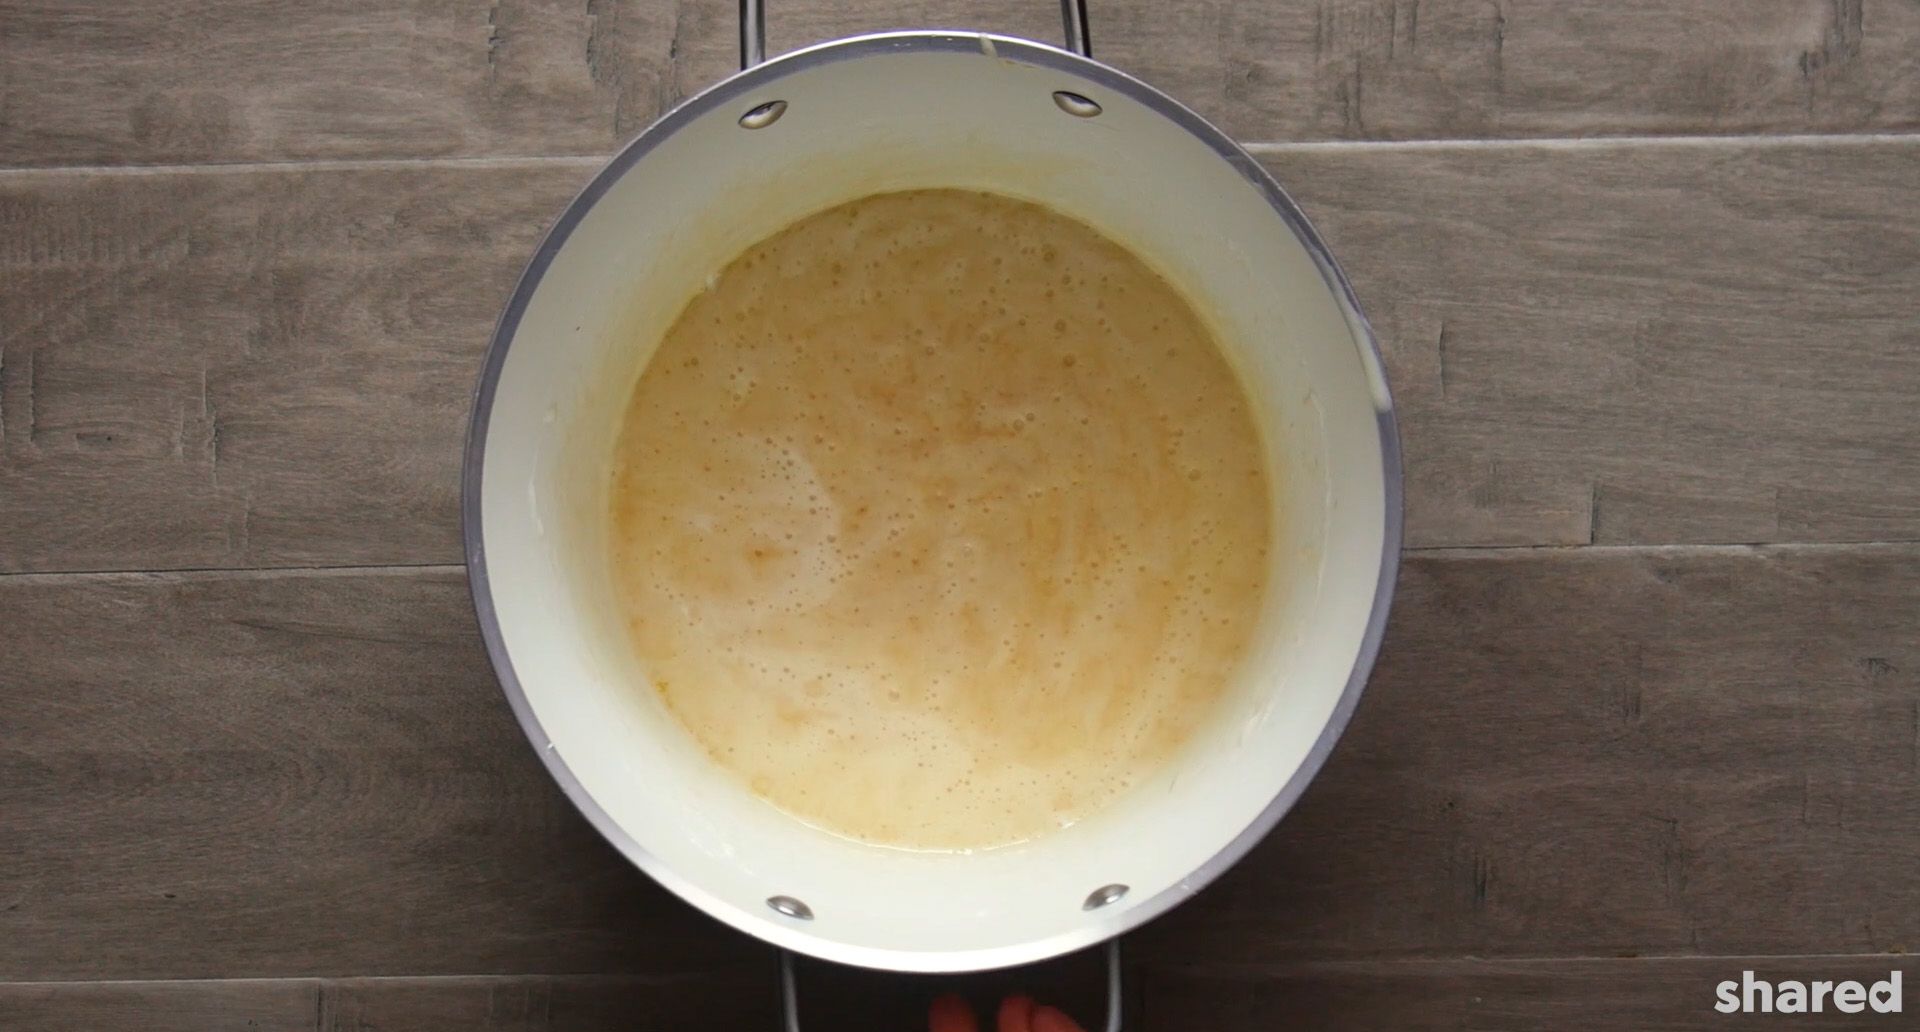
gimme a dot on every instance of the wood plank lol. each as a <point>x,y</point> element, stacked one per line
<point>1564,753</point>
<point>291,774</point>
<point>286,1005</point>
<point>1419,69</point>
<point>1640,344</point>
<point>1699,342</point>
<point>1603,752</point>
<point>1665,994</point>
<point>733,999</point>
<point>176,81</point>
<point>727,999</point>
<point>249,369</point>
<point>182,81</point>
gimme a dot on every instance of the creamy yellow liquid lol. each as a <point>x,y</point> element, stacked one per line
<point>940,520</point>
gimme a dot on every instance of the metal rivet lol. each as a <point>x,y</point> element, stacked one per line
<point>764,115</point>
<point>1074,104</point>
<point>1104,895</point>
<point>792,907</point>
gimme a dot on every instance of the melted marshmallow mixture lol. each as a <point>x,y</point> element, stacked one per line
<point>940,520</point>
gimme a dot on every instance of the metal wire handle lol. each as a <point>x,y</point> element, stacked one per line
<point>790,991</point>
<point>1073,16</point>
<point>753,30</point>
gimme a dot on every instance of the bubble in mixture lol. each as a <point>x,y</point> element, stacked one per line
<point>934,520</point>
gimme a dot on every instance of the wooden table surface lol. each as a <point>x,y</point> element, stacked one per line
<point>1647,274</point>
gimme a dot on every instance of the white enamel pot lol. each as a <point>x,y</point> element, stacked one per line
<point>801,133</point>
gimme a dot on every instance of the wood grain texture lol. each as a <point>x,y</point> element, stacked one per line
<point>287,1005</point>
<point>249,369</point>
<point>1666,994</point>
<point>1607,752</point>
<point>1421,69</point>
<point>739,996</point>
<point>1562,754</point>
<point>1606,343</point>
<point>722,1000</point>
<point>732,999</point>
<point>177,81</point>
<point>1441,69</point>
<point>278,774</point>
<point>1668,343</point>
<point>187,81</point>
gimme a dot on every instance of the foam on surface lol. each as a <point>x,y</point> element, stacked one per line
<point>940,520</point>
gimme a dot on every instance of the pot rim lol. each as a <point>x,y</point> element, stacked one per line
<point>786,932</point>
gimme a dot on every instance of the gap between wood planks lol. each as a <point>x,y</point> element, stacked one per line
<point>1430,552</point>
<point>1256,148</point>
